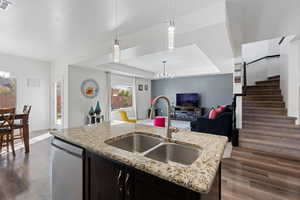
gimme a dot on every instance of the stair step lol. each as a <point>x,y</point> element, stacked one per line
<point>264,97</point>
<point>268,119</point>
<point>278,104</point>
<point>269,146</point>
<point>282,141</point>
<point>264,110</point>
<point>268,83</point>
<point>271,126</point>
<point>263,88</point>
<point>269,116</point>
<point>261,101</point>
<point>263,177</point>
<point>259,87</point>
<point>277,77</point>
<point>263,92</point>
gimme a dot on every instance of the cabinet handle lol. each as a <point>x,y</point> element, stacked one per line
<point>119,177</point>
<point>127,189</point>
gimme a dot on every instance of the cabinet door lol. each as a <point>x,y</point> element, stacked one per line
<point>148,187</point>
<point>107,179</point>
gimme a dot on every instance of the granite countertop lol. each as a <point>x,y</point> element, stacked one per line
<point>198,176</point>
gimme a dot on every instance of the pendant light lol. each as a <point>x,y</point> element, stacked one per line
<point>164,74</point>
<point>171,30</point>
<point>116,53</point>
<point>116,46</point>
<point>171,35</point>
<point>4,74</point>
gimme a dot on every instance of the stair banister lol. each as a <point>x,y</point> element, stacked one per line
<point>235,134</point>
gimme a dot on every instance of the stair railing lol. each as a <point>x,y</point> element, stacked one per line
<point>235,130</point>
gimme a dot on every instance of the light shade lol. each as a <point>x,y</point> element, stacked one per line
<point>116,52</point>
<point>171,35</point>
<point>4,74</point>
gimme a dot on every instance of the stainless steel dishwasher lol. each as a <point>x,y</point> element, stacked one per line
<point>67,171</point>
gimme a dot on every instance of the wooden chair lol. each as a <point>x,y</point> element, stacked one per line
<point>19,126</point>
<point>7,118</point>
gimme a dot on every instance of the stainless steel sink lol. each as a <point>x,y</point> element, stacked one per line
<point>137,142</point>
<point>171,152</point>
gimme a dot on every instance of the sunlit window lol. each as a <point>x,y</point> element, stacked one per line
<point>8,92</point>
<point>121,97</point>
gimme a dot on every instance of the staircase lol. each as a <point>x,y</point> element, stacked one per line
<point>266,165</point>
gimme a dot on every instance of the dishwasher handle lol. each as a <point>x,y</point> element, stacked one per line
<point>68,148</point>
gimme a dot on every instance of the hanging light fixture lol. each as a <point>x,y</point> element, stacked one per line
<point>4,4</point>
<point>171,30</point>
<point>116,53</point>
<point>171,35</point>
<point>164,74</point>
<point>116,47</point>
<point>4,74</point>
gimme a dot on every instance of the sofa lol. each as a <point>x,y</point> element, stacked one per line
<point>221,125</point>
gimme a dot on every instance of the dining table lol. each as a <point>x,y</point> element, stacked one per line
<point>25,128</point>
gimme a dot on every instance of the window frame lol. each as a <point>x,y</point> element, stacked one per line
<point>16,90</point>
<point>119,87</point>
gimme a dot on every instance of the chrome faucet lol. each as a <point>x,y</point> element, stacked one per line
<point>169,131</point>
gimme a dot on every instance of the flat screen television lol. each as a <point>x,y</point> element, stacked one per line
<point>188,99</point>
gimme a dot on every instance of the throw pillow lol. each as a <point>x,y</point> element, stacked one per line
<point>213,114</point>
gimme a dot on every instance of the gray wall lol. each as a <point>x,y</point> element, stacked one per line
<point>214,90</point>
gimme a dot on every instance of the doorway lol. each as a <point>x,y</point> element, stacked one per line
<point>58,105</point>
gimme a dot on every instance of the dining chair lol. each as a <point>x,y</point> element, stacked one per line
<point>7,118</point>
<point>20,125</point>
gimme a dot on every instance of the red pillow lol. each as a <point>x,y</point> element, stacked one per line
<point>220,109</point>
<point>213,114</point>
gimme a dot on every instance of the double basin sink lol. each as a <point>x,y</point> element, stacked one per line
<point>157,148</point>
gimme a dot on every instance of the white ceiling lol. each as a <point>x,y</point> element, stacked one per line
<point>257,20</point>
<point>183,61</point>
<point>81,33</point>
<point>45,30</point>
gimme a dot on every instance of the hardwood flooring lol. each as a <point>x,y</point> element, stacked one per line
<point>247,175</point>
<point>266,166</point>
<point>27,175</point>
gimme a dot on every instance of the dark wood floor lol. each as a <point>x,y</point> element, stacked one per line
<point>26,177</point>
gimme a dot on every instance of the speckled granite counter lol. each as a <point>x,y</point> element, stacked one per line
<point>197,177</point>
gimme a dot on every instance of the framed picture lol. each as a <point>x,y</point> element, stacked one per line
<point>89,88</point>
<point>146,87</point>
<point>140,87</point>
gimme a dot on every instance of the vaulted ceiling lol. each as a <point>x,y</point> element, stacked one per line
<point>257,20</point>
<point>82,32</point>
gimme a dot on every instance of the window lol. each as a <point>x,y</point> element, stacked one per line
<point>121,97</point>
<point>8,94</point>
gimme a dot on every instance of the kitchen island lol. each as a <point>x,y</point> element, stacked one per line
<point>114,172</point>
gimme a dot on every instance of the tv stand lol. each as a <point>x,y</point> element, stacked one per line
<point>187,113</point>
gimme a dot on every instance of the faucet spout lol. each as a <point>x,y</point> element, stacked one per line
<point>152,113</point>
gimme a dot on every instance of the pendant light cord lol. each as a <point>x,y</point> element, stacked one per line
<point>116,18</point>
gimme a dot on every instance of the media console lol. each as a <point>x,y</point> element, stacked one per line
<point>187,113</point>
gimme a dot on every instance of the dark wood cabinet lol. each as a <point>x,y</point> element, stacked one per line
<point>149,187</point>
<point>107,179</point>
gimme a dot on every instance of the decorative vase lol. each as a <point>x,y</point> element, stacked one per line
<point>92,113</point>
<point>98,112</point>
<point>98,108</point>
